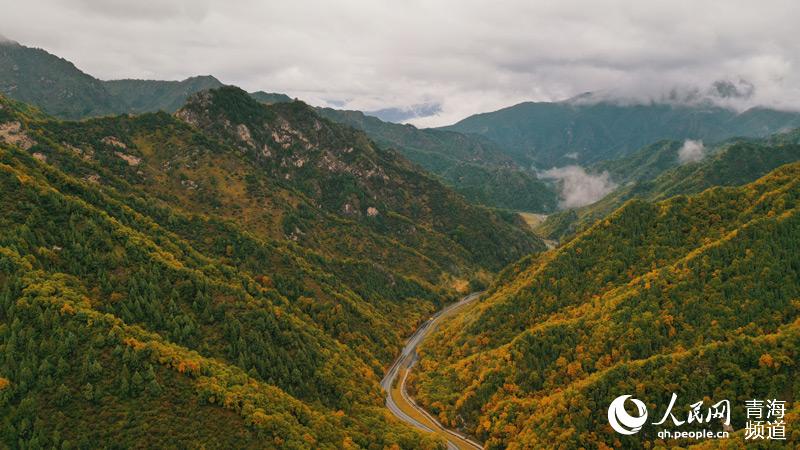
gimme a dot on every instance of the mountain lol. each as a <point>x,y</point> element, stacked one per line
<point>694,295</point>
<point>470,164</point>
<point>59,88</point>
<point>234,275</point>
<point>54,84</point>
<point>270,97</point>
<point>580,131</point>
<point>138,96</point>
<point>345,173</point>
<point>656,172</point>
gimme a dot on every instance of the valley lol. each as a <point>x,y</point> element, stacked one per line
<point>186,263</point>
<point>394,382</point>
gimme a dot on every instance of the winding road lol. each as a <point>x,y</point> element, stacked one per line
<point>398,400</point>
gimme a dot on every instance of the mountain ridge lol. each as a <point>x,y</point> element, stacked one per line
<point>559,133</point>
<point>61,89</point>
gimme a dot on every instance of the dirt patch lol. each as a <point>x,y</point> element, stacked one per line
<point>111,140</point>
<point>11,133</point>
<point>130,159</point>
<point>93,178</point>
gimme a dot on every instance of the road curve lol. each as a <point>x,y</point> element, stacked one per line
<point>398,400</point>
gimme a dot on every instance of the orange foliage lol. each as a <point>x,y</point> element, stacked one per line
<point>133,342</point>
<point>190,367</point>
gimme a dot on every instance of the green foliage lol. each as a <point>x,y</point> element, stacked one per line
<point>686,295</point>
<point>187,312</point>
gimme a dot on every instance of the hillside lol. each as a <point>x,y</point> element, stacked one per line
<point>696,295</point>
<point>341,171</point>
<point>472,165</point>
<point>655,172</point>
<point>561,133</point>
<point>212,294</point>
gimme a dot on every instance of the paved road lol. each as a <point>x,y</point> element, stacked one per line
<point>402,366</point>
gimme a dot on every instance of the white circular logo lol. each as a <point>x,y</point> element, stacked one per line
<point>621,421</point>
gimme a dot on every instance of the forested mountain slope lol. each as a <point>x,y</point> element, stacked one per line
<point>588,131</point>
<point>176,283</point>
<point>341,171</point>
<point>473,165</point>
<point>697,295</point>
<point>656,172</point>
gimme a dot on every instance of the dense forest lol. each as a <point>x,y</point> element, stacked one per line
<point>193,266</point>
<point>696,295</point>
<point>185,279</point>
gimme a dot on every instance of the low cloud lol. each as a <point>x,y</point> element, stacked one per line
<point>578,188</point>
<point>400,115</point>
<point>691,151</point>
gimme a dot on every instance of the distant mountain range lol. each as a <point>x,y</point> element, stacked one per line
<point>580,131</point>
<point>60,89</point>
<point>490,158</point>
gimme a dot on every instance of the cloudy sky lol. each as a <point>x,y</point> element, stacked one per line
<point>444,59</point>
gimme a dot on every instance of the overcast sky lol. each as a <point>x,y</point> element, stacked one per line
<point>445,58</point>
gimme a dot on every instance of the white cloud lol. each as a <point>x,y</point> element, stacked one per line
<point>578,188</point>
<point>691,151</point>
<point>466,55</point>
